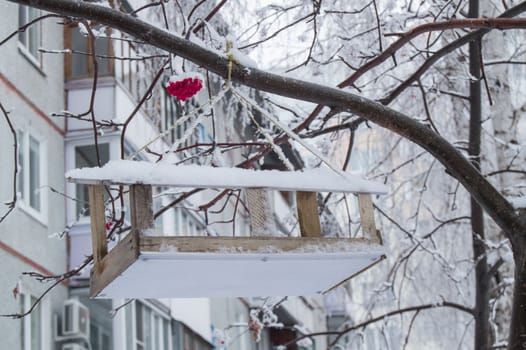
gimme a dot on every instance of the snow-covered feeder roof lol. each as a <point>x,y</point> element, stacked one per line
<point>231,268</point>
<point>125,172</point>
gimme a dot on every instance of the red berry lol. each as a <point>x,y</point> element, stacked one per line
<point>184,89</point>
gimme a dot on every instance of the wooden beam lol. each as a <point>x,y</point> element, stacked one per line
<point>262,222</point>
<point>125,253</point>
<point>308,216</point>
<point>98,222</point>
<point>190,244</point>
<point>365,204</point>
<point>141,208</point>
<point>171,267</point>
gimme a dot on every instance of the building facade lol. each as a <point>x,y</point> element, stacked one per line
<point>49,230</point>
<point>31,236</point>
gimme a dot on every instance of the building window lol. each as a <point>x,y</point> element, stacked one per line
<point>31,325</point>
<point>30,172</point>
<point>149,329</point>
<point>86,156</point>
<point>29,39</point>
<point>193,341</point>
<point>80,63</point>
<point>186,224</point>
<point>100,337</point>
<point>186,339</point>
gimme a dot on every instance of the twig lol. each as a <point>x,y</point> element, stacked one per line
<point>27,25</point>
<point>11,205</point>
<point>58,279</point>
<point>209,16</point>
<point>400,312</point>
<point>378,25</point>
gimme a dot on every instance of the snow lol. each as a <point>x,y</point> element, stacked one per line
<point>96,32</point>
<point>243,59</point>
<point>163,275</point>
<point>126,172</point>
<point>181,76</point>
<point>221,45</point>
<point>302,329</point>
<point>518,202</point>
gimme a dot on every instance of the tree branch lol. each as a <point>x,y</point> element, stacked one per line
<point>472,23</point>
<point>403,311</point>
<point>12,203</point>
<point>456,164</point>
<point>514,11</point>
<point>436,56</point>
<point>400,311</point>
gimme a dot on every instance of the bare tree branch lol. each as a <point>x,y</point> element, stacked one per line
<point>456,164</point>
<point>401,311</point>
<point>11,205</point>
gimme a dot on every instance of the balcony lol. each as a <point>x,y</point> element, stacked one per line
<point>118,90</point>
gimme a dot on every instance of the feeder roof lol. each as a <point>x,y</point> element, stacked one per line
<point>126,172</point>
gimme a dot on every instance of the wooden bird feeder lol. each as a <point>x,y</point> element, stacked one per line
<point>146,266</point>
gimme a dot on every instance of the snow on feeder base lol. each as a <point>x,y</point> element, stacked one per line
<point>144,266</point>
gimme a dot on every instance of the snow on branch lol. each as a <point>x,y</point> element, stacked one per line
<point>134,172</point>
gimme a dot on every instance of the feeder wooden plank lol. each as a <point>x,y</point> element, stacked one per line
<point>186,244</point>
<point>366,208</point>
<point>262,221</point>
<point>98,222</point>
<point>120,258</point>
<point>178,267</point>
<point>141,207</point>
<point>308,216</point>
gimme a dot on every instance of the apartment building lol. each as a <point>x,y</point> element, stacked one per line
<point>31,239</point>
<point>49,230</point>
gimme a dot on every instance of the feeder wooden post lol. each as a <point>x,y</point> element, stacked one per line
<point>308,216</point>
<point>98,222</point>
<point>141,208</point>
<point>365,204</point>
<point>262,221</point>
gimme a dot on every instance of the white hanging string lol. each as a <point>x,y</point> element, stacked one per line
<point>275,148</point>
<point>287,130</point>
<point>210,103</point>
<point>246,101</point>
<point>188,132</point>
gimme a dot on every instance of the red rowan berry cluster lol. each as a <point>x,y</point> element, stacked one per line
<point>184,89</point>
